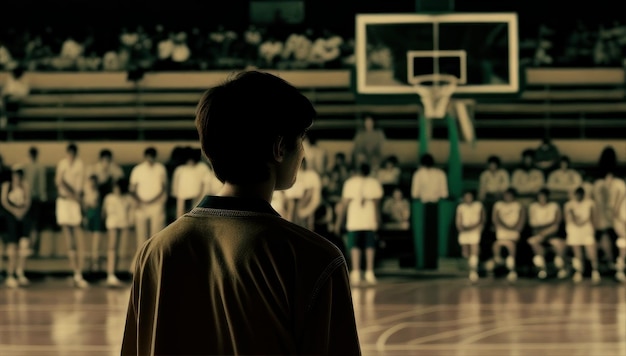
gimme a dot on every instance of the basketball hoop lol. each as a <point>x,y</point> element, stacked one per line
<point>435,91</point>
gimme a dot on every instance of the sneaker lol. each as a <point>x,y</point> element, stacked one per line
<point>80,282</point>
<point>542,274</point>
<point>473,277</point>
<point>22,280</point>
<point>11,282</point>
<point>620,276</point>
<point>578,277</point>
<point>490,265</point>
<point>112,281</point>
<point>595,277</point>
<point>512,276</point>
<point>370,277</point>
<point>562,274</point>
<point>355,278</point>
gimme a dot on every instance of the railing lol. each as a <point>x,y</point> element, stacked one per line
<point>86,102</point>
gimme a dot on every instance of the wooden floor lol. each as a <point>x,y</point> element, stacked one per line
<point>406,313</point>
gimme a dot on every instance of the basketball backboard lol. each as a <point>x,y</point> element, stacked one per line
<point>480,49</point>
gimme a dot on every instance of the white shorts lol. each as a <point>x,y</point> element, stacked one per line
<point>68,212</point>
<point>506,235</point>
<point>469,237</point>
<point>580,235</point>
<point>117,222</point>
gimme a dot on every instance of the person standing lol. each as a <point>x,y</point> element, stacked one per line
<point>35,175</point>
<point>69,180</point>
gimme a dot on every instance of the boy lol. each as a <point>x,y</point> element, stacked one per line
<point>508,218</point>
<point>232,276</point>
<point>579,217</point>
<point>470,220</point>
<point>544,218</point>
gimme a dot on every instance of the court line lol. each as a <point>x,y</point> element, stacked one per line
<point>596,346</point>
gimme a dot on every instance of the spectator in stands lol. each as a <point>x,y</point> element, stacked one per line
<point>252,41</point>
<point>544,219</point>
<point>6,59</point>
<point>71,50</point>
<point>14,91</point>
<point>181,54</point>
<point>470,221</point>
<point>304,197</point>
<point>15,199</point>
<point>368,144</point>
<point>35,176</point>
<point>493,182</point>
<point>316,156</point>
<point>563,181</point>
<point>508,217</point>
<point>389,172</point>
<point>607,193</point>
<point>297,50</point>
<point>117,208</point>
<point>360,209</point>
<point>526,179</point>
<point>148,186</point>
<point>165,48</point>
<point>547,156</point>
<point>187,181</point>
<point>111,61</point>
<point>69,181</point>
<point>92,212</point>
<point>269,52</point>
<point>326,50</point>
<point>396,211</point>
<point>579,226</point>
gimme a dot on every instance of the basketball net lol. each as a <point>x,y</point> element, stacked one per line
<point>435,91</point>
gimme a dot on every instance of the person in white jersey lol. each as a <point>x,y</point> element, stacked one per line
<point>360,207</point>
<point>304,197</point>
<point>148,185</point>
<point>526,179</point>
<point>493,181</point>
<point>579,227</point>
<point>70,181</point>
<point>563,181</point>
<point>470,221</point>
<point>607,191</point>
<point>544,219</point>
<point>188,180</point>
<point>508,217</point>
<point>116,211</point>
<point>619,226</point>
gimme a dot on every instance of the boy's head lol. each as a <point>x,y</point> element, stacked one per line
<point>150,154</point>
<point>427,160</point>
<point>543,195</point>
<point>493,162</point>
<point>510,194</point>
<point>250,123</point>
<point>468,196</point>
<point>564,163</point>
<point>579,193</point>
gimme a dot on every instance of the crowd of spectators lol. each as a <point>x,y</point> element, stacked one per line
<point>143,48</point>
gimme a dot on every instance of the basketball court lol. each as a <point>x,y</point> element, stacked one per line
<point>405,314</point>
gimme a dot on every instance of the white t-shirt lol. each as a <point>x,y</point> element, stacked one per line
<point>606,195</point>
<point>509,214</point>
<point>117,209</point>
<point>429,185</point>
<point>149,180</point>
<point>582,211</point>
<point>363,193</point>
<point>542,215</point>
<point>564,180</point>
<point>188,179</point>
<point>470,214</point>
<point>72,173</point>
<point>527,182</point>
<point>494,182</point>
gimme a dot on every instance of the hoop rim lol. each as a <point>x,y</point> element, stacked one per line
<point>419,79</point>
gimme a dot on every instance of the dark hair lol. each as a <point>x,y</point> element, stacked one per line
<point>239,121</point>
<point>528,153</point>
<point>427,160</point>
<point>544,191</point>
<point>566,159</point>
<point>33,152</point>
<point>93,177</point>
<point>607,161</point>
<point>72,148</point>
<point>580,191</point>
<point>18,171</point>
<point>312,137</point>
<point>472,192</point>
<point>494,159</point>
<point>123,184</point>
<point>106,153</point>
<point>511,191</point>
<point>365,169</point>
<point>150,151</point>
<point>18,72</point>
<point>393,159</point>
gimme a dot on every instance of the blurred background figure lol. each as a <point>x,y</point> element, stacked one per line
<point>368,144</point>
<point>35,175</point>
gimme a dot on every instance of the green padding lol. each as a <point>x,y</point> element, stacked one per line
<point>446,211</point>
<point>417,224</point>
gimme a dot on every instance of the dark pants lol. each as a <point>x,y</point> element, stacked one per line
<point>431,235</point>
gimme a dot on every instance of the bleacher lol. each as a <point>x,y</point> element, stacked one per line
<point>580,103</point>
